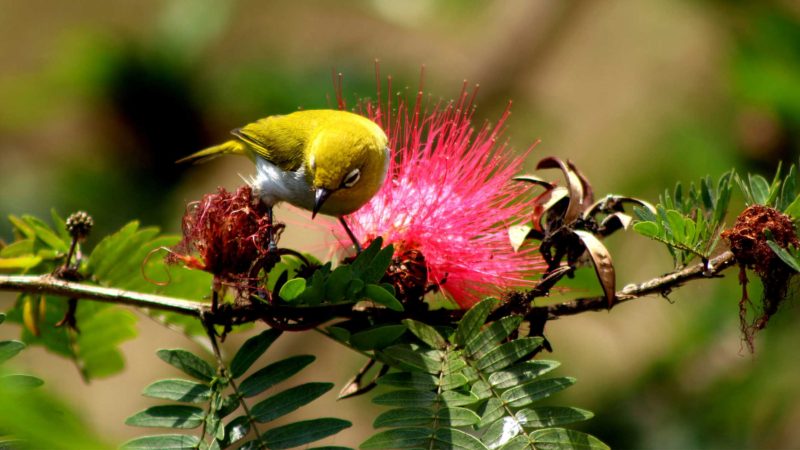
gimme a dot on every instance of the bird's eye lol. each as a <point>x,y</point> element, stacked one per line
<point>352,178</point>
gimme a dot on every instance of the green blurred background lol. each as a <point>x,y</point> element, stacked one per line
<point>97,99</point>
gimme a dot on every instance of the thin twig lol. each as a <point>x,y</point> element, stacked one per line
<point>212,336</point>
<point>659,285</point>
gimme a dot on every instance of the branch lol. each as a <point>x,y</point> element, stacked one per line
<point>661,285</point>
<point>48,284</point>
<point>300,318</point>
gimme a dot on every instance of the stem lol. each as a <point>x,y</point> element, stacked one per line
<point>212,336</point>
<point>350,234</point>
<point>661,285</point>
<point>313,317</point>
<point>48,284</point>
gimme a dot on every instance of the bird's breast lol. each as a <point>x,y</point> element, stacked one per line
<point>277,185</point>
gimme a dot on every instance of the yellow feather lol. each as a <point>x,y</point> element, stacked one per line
<point>231,147</point>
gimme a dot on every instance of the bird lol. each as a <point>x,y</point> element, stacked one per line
<point>326,161</point>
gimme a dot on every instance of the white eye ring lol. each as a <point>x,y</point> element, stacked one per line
<point>352,178</point>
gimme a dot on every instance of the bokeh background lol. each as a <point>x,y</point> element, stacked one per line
<point>97,99</point>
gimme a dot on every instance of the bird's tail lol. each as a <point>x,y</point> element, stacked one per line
<point>232,147</point>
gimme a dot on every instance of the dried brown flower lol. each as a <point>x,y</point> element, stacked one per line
<point>748,244</point>
<point>228,233</point>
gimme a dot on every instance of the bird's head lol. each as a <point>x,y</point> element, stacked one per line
<point>347,163</point>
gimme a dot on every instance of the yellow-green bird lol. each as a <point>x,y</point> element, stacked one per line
<point>326,161</point>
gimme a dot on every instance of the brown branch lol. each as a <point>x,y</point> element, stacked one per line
<point>299,318</point>
<point>48,284</point>
<point>661,285</point>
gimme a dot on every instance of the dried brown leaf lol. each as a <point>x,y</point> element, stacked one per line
<point>603,266</point>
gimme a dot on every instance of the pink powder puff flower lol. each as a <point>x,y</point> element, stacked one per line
<point>449,195</point>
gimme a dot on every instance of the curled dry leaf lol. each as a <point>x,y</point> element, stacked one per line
<point>588,192</point>
<point>615,203</point>
<point>614,222</point>
<point>603,266</point>
<point>574,185</point>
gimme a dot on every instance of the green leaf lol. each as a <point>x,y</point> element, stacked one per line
<point>457,417</point>
<point>168,416</point>
<point>301,433</point>
<point>521,373</point>
<point>723,198</point>
<point>407,358</point>
<point>455,363</point>
<point>648,229</point>
<point>228,405</point>
<point>453,381</point>
<point>273,374</point>
<point>287,401</point>
<point>789,188</point>
<point>364,259</point>
<point>189,363</point>
<point>501,432</point>
<point>60,226</point>
<point>178,390</point>
<point>251,350</point>
<point>785,256</point>
<point>338,333</point>
<point>292,289</point>
<point>355,290</point>
<point>377,267</point>
<point>22,247</point>
<point>163,442</point>
<point>550,416</point>
<point>561,438</point>
<point>406,398</point>
<point>528,393</point>
<point>410,380</point>
<point>336,285</point>
<point>405,417</point>
<point>46,235</point>
<point>676,225</point>
<point>116,247</point>
<point>20,382</point>
<point>314,292</point>
<point>412,417</point>
<point>452,438</point>
<point>520,442</point>
<point>22,227</point>
<point>494,333</point>
<point>383,297</point>
<point>9,349</point>
<point>236,430</point>
<point>455,398</point>
<point>508,353</point>
<point>377,338</point>
<point>399,438</point>
<point>103,329</point>
<point>473,320</point>
<point>426,334</point>
<point>493,410</point>
<point>759,188</point>
<point>20,262</point>
<point>793,209</point>
<point>644,214</point>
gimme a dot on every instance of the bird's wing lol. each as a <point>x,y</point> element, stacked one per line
<point>278,141</point>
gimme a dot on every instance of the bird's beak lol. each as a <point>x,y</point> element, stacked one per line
<point>320,196</point>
